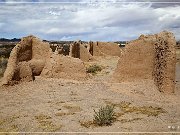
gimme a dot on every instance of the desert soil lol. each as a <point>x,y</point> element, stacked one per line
<point>60,105</point>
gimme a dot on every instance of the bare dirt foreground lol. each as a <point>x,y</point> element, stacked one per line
<point>59,105</point>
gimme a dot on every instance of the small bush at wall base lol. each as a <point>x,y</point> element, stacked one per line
<point>105,116</point>
<point>93,69</point>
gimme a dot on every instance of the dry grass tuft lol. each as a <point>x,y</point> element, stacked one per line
<point>49,126</point>
<point>87,124</point>
<point>129,120</point>
<point>63,114</point>
<point>12,128</point>
<point>8,120</point>
<point>127,107</point>
<point>42,117</point>
<point>6,124</point>
<point>72,109</point>
<point>119,114</point>
<point>45,124</point>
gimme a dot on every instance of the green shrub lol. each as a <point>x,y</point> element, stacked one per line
<point>105,116</point>
<point>93,69</point>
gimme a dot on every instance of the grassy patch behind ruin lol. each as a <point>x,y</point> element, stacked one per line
<point>3,65</point>
<point>5,50</point>
<point>93,69</point>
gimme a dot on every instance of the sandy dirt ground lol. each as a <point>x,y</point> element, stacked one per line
<point>59,105</point>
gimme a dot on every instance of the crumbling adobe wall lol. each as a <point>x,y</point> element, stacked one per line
<point>104,48</point>
<point>78,50</point>
<point>75,50</point>
<point>90,48</point>
<point>109,48</point>
<point>32,57</point>
<point>165,62</point>
<point>136,61</point>
<point>86,51</point>
<point>59,66</point>
<point>26,60</point>
<point>84,54</point>
<point>149,57</point>
<point>96,50</point>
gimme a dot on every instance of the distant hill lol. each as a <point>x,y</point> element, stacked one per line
<point>10,40</point>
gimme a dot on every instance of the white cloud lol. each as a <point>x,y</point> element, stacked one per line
<point>92,21</point>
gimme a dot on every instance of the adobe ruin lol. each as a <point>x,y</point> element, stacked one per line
<point>104,48</point>
<point>149,57</point>
<point>27,59</point>
<point>64,67</point>
<point>31,56</point>
<point>79,50</point>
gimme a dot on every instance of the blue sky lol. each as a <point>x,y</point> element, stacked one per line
<point>97,20</point>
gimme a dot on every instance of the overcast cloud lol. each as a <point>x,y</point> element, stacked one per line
<point>96,20</point>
